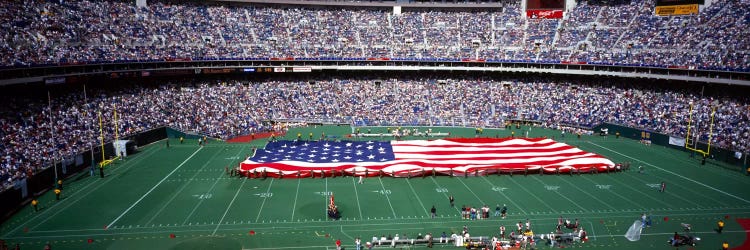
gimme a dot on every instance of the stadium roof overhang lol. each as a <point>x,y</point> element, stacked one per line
<point>58,73</point>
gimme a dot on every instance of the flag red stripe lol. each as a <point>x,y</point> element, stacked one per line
<point>456,156</point>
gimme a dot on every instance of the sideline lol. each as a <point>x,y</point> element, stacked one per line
<point>676,174</point>
<point>82,189</point>
<point>152,189</point>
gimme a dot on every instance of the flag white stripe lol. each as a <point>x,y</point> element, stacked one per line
<point>442,142</point>
<point>428,161</point>
<point>404,149</point>
<point>414,167</point>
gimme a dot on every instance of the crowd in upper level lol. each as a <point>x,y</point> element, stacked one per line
<point>623,32</point>
<point>32,135</point>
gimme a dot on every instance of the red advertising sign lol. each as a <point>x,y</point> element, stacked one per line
<point>547,14</point>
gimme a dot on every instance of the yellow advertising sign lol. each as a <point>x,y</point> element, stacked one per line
<point>674,10</point>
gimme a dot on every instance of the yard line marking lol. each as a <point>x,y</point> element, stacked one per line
<point>262,204</point>
<point>345,234</point>
<point>678,175</point>
<point>388,198</point>
<point>506,197</point>
<point>180,191</point>
<point>722,171</point>
<point>89,191</point>
<point>672,194</point>
<point>592,229</point>
<point>359,206</point>
<point>641,192</point>
<point>689,190</point>
<point>152,189</point>
<point>587,193</point>
<point>294,207</point>
<point>615,193</point>
<point>209,191</point>
<point>232,202</point>
<point>532,194</point>
<point>418,199</point>
<point>326,200</point>
<point>444,194</point>
<point>472,191</point>
<point>571,201</point>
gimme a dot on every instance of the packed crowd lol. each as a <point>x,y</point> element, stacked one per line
<point>33,136</point>
<point>622,32</point>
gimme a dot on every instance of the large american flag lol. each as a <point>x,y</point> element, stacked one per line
<point>456,156</point>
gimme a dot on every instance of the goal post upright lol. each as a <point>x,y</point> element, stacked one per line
<point>694,141</point>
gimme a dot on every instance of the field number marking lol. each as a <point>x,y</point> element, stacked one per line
<point>203,196</point>
<point>383,191</point>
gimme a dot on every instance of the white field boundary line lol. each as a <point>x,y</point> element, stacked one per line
<point>615,193</point>
<point>261,205</point>
<point>200,201</point>
<point>672,194</point>
<point>587,193</point>
<point>592,228</point>
<point>590,236</point>
<point>294,207</point>
<point>345,234</point>
<point>152,189</point>
<point>387,198</point>
<point>565,197</point>
<point>472,191</point>
<point>359,206</point>
<point>533,195</point>
<point>419,223</point>
<point>418,199</point>
<point>354,230</point>
<point>676,174</point>
<point>503,194</point>
<point>88,191</point>
<point>721,171</point>
<point>444,193</point>
<point>654,234</point>
<point>681,186</point>
<point>180,190</point>
<point>667,205</point>
<point>232,202</point>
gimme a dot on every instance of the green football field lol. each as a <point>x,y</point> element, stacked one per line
<point>181,198</point>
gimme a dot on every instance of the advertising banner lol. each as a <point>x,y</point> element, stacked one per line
<point>302,69</point>
<point>676,10</point>
<point>546,14</point>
